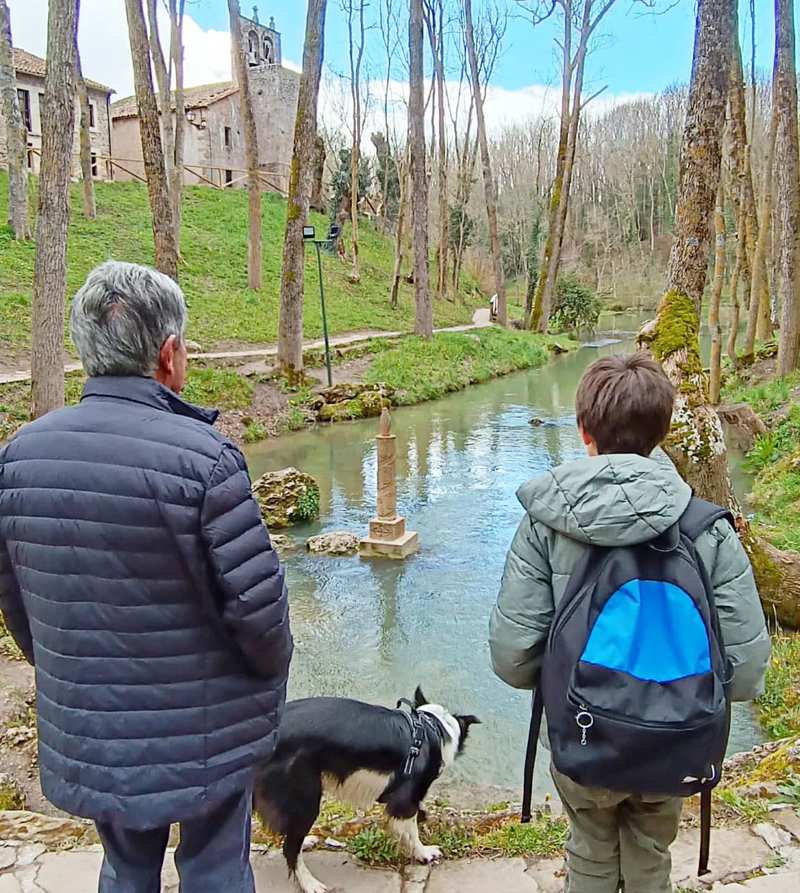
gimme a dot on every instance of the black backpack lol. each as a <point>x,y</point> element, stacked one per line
<point>635,677</point>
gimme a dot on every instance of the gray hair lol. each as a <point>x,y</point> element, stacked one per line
<point>122,316</point>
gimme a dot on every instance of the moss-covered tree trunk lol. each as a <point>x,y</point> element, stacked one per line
<point>696,443</point>
<point>50,272</point>
<point>290,329</point>
<point>166,249</point>
<point>716,296</point>
<point>787,189</point>
<point>176,15</point>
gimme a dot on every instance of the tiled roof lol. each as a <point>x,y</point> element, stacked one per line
<point>27,63</point>
<point>194,97</point>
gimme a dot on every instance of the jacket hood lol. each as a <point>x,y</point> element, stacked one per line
<point>611,500</point>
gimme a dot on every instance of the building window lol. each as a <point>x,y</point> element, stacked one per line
<point>94,164</point>
<point>228,177</point>
<point>91,116</point>
<point>29,156</point>
<point>228,138</point>
<point>253,54</point>
<point>25,107</point>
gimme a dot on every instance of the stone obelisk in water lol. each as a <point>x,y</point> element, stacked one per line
<point>388,537</point>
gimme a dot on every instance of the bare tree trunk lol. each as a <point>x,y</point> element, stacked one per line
<point>758,324</point>
<point>399,239</point>
<point>290,331</point>
<point>50,273</point>
<point>489,188</point>
<point>250,150</point>
<point>176,15</point>
<point>419,192</point>
<point>356,58</point>
<point>736,275</point>
<point>436,36</point>
<point>166,250</point>
<point>164,81</point>
<point>89,206</point>
<point>787,189</point>
<point>16,137</point>
<point>716,296</point>
<point>318,186</point>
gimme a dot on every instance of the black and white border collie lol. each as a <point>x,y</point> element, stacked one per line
<point>358,754</point>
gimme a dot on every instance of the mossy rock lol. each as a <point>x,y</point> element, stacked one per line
<point>347,402</point>
<point>287,497</point>
<point>779,765</point>
<point>11,794</point>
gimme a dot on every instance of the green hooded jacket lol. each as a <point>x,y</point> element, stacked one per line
<point>614,500</point>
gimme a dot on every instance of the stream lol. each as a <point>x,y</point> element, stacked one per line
<point>374,630</point>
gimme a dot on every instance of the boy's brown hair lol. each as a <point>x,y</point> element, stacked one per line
<point>624,403</point>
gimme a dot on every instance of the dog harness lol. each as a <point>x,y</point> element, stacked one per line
<point>417,734</point>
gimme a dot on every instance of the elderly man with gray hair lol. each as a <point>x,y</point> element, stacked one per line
<point>137,576</point>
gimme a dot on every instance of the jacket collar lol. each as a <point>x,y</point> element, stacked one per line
<point>147,391</point>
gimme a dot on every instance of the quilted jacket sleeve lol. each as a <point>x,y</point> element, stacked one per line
<point>255,603</point>
<point>521,619</point>
<point>741,616</point>
<point>13,610</point>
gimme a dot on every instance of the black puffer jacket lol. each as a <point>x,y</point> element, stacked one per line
<point>135,572</point>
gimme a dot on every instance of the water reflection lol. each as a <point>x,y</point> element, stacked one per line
<point>376,629</point>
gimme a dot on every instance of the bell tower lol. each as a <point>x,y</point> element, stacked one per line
<point>261,43</point>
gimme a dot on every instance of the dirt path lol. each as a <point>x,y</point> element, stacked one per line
<point>480,320</point>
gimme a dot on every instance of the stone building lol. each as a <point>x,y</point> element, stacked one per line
<point>30,71</point>
<point>214,142</point>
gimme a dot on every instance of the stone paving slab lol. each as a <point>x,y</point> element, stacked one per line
<point>336,870</point>
<point>734,852</point>
<point>502,875</point>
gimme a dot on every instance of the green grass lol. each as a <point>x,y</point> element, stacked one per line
<point>779,707</point>
<point>752,810</point>
<point>420,370</point>
<point>213,271</point>
<point>775,459</point>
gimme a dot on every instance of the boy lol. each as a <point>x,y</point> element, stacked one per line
<point>620,495</point>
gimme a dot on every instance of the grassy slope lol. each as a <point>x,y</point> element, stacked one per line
<point>776,498</point>
<point>213,273</point>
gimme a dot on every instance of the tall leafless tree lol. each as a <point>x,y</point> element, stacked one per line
<point>254,242</point>
<point>489,186</point>
<point>50,272</point>
<point>787,188</point>
<point>176,16</point>
<point>87,174</point>
<point>356,44</point>
<point>715,378</point>
<point>166,249</point>
<point>419,180</point>
<point>16,134</point>
<point>290,331</point>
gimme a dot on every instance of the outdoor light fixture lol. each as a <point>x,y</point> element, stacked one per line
<point>309,235</point>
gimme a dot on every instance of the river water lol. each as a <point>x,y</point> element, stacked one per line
<point>374,630</point>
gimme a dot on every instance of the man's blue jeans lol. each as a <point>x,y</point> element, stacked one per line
<point>213,854</point>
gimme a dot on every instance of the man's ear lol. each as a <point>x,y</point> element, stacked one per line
<point>419,698</point>
<point>166,356</point>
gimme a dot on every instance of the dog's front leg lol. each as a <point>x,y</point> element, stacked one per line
<point>407,833</point>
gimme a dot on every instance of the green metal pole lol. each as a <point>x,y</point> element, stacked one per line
<point>324,319</point>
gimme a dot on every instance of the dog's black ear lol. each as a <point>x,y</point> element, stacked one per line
<point>419,698</point>
<point>464,723</point>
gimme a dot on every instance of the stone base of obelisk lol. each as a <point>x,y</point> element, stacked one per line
<point>388,539</point>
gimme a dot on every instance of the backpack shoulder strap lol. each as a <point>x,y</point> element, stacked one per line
<point>700,516</point>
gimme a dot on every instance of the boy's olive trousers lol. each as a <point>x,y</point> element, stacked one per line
<point>617,841</point>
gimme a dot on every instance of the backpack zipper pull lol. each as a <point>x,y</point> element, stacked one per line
<point>585,721</point>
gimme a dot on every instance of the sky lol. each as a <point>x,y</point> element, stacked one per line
<point>636,52</point>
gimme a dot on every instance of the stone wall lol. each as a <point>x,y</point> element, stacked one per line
<point>100,133</point>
